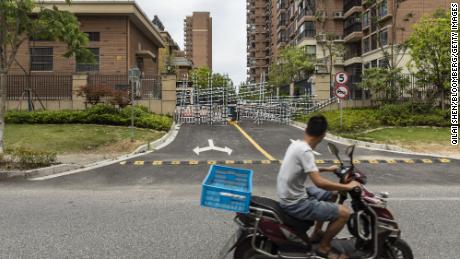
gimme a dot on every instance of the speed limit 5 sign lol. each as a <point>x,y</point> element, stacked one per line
<point>342,78</point>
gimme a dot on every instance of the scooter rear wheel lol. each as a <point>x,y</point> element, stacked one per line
<point>399,249</point>
<point>245,251</point>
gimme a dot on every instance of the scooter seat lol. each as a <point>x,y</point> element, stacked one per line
<point>272,205</point>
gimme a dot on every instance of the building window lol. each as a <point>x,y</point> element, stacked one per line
<point>384,63</point>
<point>383,38</point>
<point>382,9</point>
<point>365,20</point>
<point>94,36</point>
<point>85,67</point>
<point>41,59</point>
<point>374,63</point>
<point>310,50</point>
<point>307,29</point>
<point>366,45</point>
<point>374,41</point>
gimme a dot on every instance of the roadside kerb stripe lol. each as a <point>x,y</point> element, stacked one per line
<point>277,162</point>
<point>253,142</point>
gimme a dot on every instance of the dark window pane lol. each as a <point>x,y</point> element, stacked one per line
<point>41,59</point>
<point>94,36</point>
<point>83,67</point>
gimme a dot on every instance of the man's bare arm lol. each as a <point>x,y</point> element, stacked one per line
<point>329,169</point>
<point>330,185</point>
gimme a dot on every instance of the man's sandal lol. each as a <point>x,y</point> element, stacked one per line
<point>333,252</point>
<point>316,238</point>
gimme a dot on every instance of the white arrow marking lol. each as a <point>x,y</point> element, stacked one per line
<point>211,146</point>
<point>314,152</point>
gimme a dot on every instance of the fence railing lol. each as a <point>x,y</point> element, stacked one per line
<point>43,87</point>
<point>150,85</point>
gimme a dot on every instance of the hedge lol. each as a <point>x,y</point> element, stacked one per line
<point>98,114</point>
<point>360,119</point>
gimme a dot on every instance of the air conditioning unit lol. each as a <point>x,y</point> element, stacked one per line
<point>338,14</point>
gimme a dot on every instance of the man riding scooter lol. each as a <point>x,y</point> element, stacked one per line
<point>315,203</point>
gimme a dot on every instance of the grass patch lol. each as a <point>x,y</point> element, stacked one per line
<point>75,138</point>
<point>424,140</point>
<point>404,135</point>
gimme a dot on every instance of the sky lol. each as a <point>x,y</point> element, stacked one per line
<point>228,25</point>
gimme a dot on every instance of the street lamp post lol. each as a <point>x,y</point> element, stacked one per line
<point>134,75</point>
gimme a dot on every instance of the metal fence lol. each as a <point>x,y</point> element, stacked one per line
<point>150,85</point>
<point>39,87</point>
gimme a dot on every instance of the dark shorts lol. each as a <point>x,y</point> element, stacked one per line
<point>317,207</point>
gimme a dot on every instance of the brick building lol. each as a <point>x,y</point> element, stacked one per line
<point>360,27</point>
<point>120,36</point>
<point>198,39</point>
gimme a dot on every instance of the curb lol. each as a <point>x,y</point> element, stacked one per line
<point>159,142</point>
<point>68,169</point>
<point>372,146</point>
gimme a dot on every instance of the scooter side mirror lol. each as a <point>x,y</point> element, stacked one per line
<point>334,150</point>
<point>349,151</point>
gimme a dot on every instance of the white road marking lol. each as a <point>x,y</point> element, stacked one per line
<point>211,146</point>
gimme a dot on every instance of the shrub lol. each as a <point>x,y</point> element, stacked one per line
<point>356,120</point>
<point>98,114</point>
<point>30,159</point>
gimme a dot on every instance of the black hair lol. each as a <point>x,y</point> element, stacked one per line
<point>316,126</point>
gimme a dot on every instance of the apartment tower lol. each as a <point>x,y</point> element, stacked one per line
<point>360,28</point>
<point>198,39</point>
<point>258,38</point>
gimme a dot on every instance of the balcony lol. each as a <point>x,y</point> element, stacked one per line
<point>306,15</point>
<point>353,32</point>
<point>306,34</point>
<point>348,4</point>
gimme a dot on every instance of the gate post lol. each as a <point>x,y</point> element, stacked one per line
<point>168,93</point>
<point>78,81</point>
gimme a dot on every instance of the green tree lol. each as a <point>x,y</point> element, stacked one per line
<point>292,64</point>
<point>202,75</point>
<point>430,50</point>
<point>23,19</point>
<point>386,83</point>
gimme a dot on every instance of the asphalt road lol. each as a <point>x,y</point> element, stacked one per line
<point>146,211</point>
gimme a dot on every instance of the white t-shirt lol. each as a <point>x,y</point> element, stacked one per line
<point>297,163</point>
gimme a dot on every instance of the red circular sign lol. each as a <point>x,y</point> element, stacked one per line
<point>342,91</point>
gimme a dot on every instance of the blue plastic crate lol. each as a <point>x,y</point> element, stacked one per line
<point>227,188</point>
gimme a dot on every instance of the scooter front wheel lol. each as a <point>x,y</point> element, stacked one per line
<point>399,249</point>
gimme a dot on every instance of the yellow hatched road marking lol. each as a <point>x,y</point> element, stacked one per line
<point>253,142</point>
<point>229,162</point>
<point>212,162</point>
<point>247,162</point>
<point>266,162</point>
<point>356,161</point>
<point>427,161</point>
<point>409,161</point>
<point>444,160</point>
<point>373,161</point>
<point>391,161</point>
<point>175,162</point>
<point>157,162</point>
<point>139,162</point>
<point>193,162</point>
<point>336,162</point>
<point>320,161</point>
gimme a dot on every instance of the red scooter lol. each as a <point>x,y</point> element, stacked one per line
<point>267,232</point>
